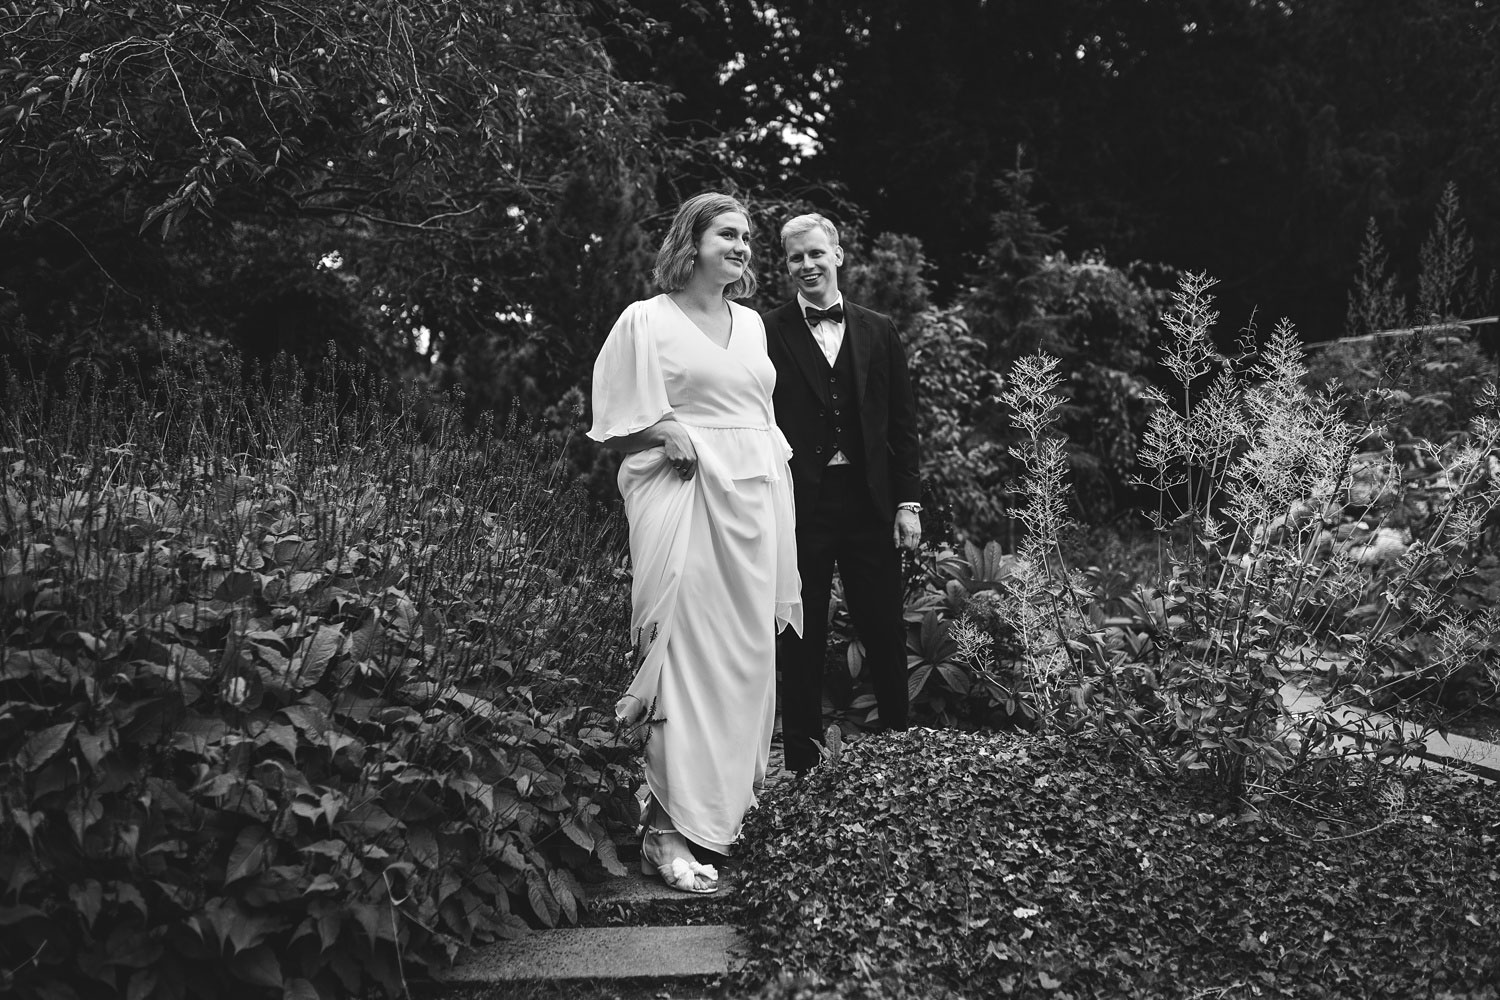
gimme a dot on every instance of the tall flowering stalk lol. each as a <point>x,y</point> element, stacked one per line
<point>1045,596</point>
<point>1276,546</point>
<point>1265,464</point>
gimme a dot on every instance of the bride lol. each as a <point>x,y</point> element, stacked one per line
<point>683,386</point>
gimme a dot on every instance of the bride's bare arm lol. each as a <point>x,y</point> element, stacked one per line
<point>667,434</point>
<point>652,437</point>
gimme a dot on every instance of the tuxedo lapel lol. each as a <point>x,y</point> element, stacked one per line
<point>798,339</point>
<point>857,343</point>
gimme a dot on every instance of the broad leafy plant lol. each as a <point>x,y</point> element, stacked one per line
<point>947,683</point>
<point>290,689</point>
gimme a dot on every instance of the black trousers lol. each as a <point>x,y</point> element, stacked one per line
<point>844,529</point>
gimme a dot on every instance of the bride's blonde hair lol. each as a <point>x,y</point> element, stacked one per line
<point>674,260</point>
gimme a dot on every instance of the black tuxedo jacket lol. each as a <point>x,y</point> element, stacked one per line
<point>883,394</point>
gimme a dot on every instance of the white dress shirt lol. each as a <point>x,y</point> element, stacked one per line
<point>830,338</point>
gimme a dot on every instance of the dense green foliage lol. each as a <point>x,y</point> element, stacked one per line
<point>471,167</point>
<point>1027,296</point>
<point>485,183</point>
<point>1288,537</point>
<point>304,687</point>
<point>1019,866</point>
<point>1249,139</point>
<point>295,695</point>
<point>1421,381</point>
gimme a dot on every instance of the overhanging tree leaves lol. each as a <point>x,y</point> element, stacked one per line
<point>1249,138</point>
<point>428,143</point>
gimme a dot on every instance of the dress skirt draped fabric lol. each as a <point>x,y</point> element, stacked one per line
<point>713,559</point>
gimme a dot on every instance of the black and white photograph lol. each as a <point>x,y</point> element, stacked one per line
<point>738,500</point>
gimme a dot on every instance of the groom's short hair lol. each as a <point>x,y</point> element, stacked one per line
<point>806,223</point>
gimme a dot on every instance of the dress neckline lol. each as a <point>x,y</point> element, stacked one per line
<point>694,324</point>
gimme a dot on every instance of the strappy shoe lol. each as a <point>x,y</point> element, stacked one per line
<point>682,874</point>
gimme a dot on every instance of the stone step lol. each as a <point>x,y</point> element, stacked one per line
<point>657,953</point>
<point>1456,753</point>
<point>635,887</point>
<point>1462,753</point>
<point>628,850</point>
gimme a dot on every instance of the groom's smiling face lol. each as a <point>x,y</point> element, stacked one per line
<point>813,261</point>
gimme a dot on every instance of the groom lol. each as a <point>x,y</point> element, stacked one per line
<point>844,401</point>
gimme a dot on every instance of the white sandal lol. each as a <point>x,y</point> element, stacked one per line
<point>682,874</point>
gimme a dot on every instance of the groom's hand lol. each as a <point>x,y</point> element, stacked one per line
<point>908,531</point>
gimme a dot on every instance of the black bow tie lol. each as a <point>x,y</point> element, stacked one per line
<point>834,313</point>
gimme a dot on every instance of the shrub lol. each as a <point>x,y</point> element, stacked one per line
<point>964,461</point>
<point>965,667</point>
<point>290,689</point>
<point>1415,377</point>
<point>1288,547</point>
<point>1422,387</point>
<point>890,277</point>
<point>1278,539</point>
<point>949,605</point>
<point>1028,297</point>
<point>979,651</point>
<point>1040,867</point>
<point>1413,370</point>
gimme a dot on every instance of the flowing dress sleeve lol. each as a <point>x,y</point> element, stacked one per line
<point>629,391</point>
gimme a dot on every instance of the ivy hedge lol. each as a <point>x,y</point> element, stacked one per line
<point>944,863</point>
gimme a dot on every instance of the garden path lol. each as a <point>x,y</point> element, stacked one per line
<point>656,942</point>
<point>652,942</point>
<point>1453,752</point>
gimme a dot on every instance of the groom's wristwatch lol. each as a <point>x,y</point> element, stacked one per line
<point>910,505</point>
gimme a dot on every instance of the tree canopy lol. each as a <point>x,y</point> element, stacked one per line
<point>482,184</point>
<point>1250,138</point>
<point>452,161</point>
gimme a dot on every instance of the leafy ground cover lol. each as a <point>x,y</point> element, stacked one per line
<point>1003,865</point>
<point>293,696</point>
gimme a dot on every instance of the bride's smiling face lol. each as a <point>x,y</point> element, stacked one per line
<point>724,248</point>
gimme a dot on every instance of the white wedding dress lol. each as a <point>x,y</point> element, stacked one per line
<point>714,558</point>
